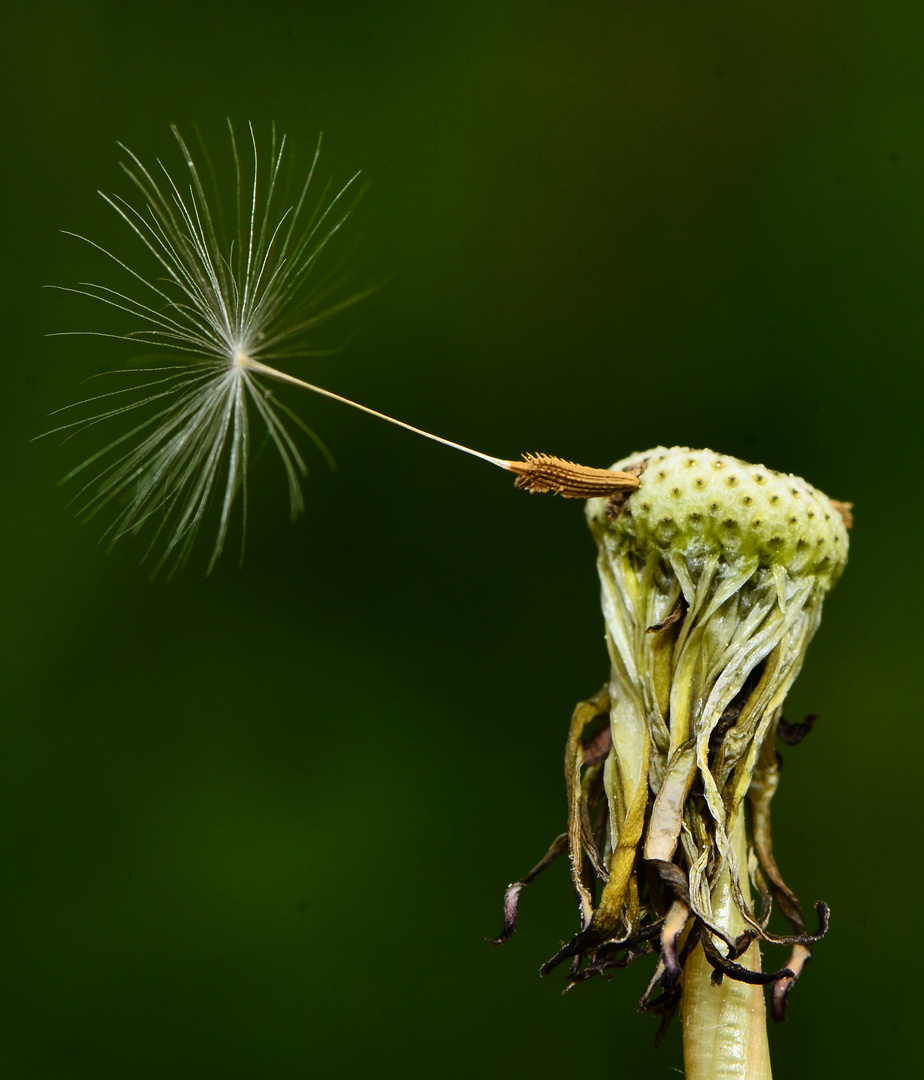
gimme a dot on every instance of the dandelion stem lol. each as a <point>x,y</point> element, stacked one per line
<point>725,1027</point>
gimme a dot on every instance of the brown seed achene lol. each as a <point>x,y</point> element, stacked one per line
<point>538,473</point>
<point>677,613</point>
<point>844,509</point>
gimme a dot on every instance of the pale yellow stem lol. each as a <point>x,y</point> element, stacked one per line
<point>725,1027</point>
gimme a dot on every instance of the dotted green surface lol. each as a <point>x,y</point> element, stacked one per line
<point>699,502</point>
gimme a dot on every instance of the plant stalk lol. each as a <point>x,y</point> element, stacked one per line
<point>725,1027</point>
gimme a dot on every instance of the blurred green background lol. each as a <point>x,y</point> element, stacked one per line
<point>258,825</point>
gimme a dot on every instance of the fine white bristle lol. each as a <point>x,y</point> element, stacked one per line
<point>233,289</point>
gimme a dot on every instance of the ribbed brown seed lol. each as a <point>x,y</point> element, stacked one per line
<point>845,510</point>
<point>537,473</point>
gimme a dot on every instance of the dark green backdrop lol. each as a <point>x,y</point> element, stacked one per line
<point>259,825</point>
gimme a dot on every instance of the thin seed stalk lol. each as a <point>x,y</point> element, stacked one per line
<point>725,1026</point>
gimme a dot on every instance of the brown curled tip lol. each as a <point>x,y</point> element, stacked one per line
<point>844,509</point>
<point>538,473</point>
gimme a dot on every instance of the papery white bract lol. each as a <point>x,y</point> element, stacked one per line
<point>232,295</point>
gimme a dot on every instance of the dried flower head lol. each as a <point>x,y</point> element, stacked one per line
<point>713,574</point>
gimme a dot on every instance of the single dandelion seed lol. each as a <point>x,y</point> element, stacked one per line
<point>235,295</point>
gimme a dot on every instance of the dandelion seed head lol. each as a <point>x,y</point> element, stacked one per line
<point>713,573</point>
<point>699,503</point>
<point>236,289</point>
